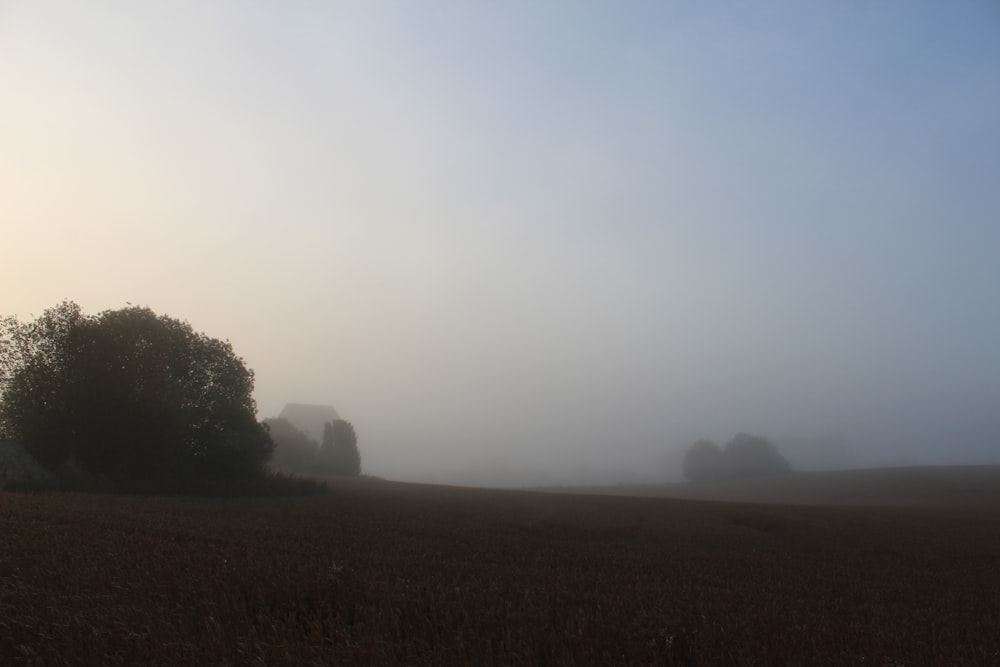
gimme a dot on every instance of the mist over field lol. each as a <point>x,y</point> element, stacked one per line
<point>520,244</point>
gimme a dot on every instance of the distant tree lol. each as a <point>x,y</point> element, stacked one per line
<point>703,462</point>
<point>339,454</point>
<point>744,456</point>
<point>294,451</point>
<point>749,455</point>
<point>130,395</point>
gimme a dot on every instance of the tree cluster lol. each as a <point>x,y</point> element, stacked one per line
<point>744,456</point>
<point>296,452</point>
<point>339,455</point>
<point>128,395</point>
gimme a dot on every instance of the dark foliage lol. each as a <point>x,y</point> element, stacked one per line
<point>339,454</point>
<point>703,461</point>
<point>744,456</point>
<point>753,456</point>
<point>294,451</point>
<point>129,395</point>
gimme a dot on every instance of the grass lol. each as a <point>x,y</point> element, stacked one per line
<point>377,572</point>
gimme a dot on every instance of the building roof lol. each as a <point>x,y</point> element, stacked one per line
<point>309,418</point>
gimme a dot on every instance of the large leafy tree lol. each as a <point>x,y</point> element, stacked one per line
<point>129,394</point>
<point>750,455</point>
<point>745,455</point>
<point>703,462</point>
<point>339,452</point>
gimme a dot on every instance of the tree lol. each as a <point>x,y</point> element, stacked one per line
<point>703,462</point>
<point>293,449</point>
<point>744,456</point>
<point>749,455</point>
<point>33,358</point>
<point>130,395</point>
<point>339,452</point>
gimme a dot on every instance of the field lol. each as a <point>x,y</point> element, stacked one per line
<point>938,486</point>
<point>390,573</point>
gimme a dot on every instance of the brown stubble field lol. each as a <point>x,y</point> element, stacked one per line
<point>388,573</point>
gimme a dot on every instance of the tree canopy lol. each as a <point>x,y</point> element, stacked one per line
<point>339,452</point>
<point>294,451</point>
<point>749,455</point>
<point>129,394</point>
<point>744,456</point>
<point>703,461</point>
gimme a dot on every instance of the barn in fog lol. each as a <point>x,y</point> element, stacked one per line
<point>309,418</point>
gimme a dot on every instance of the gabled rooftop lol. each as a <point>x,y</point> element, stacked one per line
<point>309,417</point>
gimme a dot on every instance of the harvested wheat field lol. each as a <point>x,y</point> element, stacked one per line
<point>388,573</point>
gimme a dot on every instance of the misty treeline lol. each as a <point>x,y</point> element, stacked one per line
<point>127,396</point>
<point>744,456</point>
<point>296,452</point>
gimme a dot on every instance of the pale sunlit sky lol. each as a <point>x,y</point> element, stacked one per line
<point>538,235</point>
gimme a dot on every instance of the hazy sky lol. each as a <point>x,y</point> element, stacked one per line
<point>533,234</point>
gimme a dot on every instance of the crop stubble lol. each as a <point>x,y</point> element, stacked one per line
<point>384,573</point>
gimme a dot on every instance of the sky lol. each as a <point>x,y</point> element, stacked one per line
<point>550,239</point>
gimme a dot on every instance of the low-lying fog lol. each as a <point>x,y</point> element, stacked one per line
<point>518,244</point>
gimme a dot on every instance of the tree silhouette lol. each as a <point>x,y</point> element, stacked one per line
<point>749,455</point>
<point>703,462</point>
<point>294,451</point>
<point>129,395</point>
<point>339,452</point>
<point>744,456</point>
